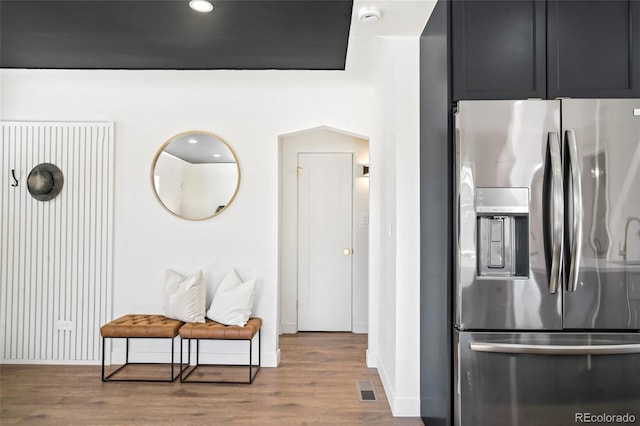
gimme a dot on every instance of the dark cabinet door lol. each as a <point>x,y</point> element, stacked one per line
<point>498,49</point>
<point>593,48</point>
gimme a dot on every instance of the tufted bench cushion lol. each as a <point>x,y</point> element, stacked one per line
<point>141,325</point>
<point>214,330</point>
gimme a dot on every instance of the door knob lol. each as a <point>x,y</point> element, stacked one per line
<point>347,252</point>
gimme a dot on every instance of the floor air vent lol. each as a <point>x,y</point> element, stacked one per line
<point>366,392</point>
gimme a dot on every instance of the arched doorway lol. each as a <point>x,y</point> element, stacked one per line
<point>312,143</point>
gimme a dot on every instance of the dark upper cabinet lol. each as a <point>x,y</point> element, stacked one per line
<point>545,49</point>
<point>593,48</point>
<point>498,49</point>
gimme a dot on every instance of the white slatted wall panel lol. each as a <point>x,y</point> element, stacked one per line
<point>56,256</point>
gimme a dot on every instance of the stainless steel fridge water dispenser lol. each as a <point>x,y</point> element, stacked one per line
<point>503,232</point>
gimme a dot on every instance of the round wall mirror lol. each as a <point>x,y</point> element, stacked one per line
<point>195,175</point>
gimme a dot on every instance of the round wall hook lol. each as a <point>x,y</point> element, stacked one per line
<point>45,181</point>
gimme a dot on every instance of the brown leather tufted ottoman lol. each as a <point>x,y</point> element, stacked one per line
<point>211,330</point>
<point>139,326</point>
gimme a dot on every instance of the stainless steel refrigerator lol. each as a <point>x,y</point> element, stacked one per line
<point>547,254</point>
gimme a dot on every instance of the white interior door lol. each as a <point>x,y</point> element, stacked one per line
<point>325,193</point>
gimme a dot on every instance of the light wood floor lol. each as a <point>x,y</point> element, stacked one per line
<point>315,384</point>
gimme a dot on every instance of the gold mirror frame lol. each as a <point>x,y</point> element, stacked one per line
<point>209,138</point>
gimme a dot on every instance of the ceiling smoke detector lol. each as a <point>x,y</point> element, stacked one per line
<point>369,14</point>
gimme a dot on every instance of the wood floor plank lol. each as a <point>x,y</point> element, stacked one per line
<point>315,384</point>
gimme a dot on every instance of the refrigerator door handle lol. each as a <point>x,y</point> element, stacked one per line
<point>516,348</point>
<point>576,199</point>
<point>556,212</point>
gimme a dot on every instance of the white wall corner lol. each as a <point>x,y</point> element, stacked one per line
<point>405,407</point>
<point>389,388</point>
<point>406,400</point>
<point>400,406</point>
<point>289,328</point>
<point>271,359</point>
<point>360,328</point>
<point>372,359</point>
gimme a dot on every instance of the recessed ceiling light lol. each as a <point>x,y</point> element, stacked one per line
<point>217,155</point>
<point>201,5</point>
<point>192,141</point>
<point>369,14</point>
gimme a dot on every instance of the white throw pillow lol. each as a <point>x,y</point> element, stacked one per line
<point>185,297</point>
<point>230,280</point>
<point>232,305</point>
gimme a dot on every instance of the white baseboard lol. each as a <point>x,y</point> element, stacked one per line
<point>49,362</point>
<point>289,328</point>
<point>372,359</point>
<point>266,360</point>
<point>406,407</point>
<point>389,389</point>
<point>400,407</point>
<point>118,357</point>
<point>361,328</point>
<point>292,328</point>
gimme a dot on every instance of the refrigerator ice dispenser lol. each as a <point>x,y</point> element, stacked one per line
<point>503,232</point>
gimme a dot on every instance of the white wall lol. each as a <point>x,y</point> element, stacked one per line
<point>249,109</point>
<point>407,134</point>
<point>395,310</point>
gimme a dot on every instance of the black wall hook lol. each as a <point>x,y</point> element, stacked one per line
<point>13,174</point>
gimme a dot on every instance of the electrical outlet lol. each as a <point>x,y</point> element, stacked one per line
<point>65,325</point>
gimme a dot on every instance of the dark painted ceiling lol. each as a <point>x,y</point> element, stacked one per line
<point>167,34</point>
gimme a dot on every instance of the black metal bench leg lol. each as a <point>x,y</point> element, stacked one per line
<point>184,367</point>
<point>250,365</point>
<point>259,357</point>
<point>173,349</point>
<point>103,352</point>
<point>250,360</point>
<point>107,377</point>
